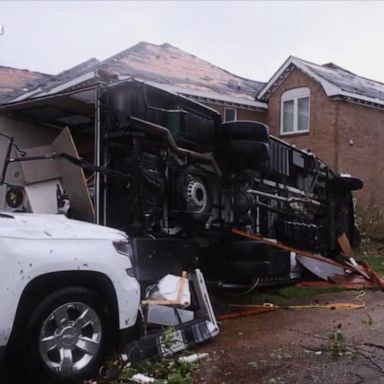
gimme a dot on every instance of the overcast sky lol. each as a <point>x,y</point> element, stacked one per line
<point>251,39</point>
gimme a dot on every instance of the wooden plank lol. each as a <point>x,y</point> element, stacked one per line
<point>345,246</point>
<point>357,268</point>
<point>377,280</point>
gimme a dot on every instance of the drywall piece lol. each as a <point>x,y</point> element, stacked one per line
<point>171,290</point>
<point>42,196</point>
<point>163,315</point>
<point>73,179</point>
<point>36,171</point>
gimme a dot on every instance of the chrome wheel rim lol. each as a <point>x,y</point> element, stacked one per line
<point>70,338</point>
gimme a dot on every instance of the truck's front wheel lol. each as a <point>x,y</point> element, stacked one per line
<point>67,335</point>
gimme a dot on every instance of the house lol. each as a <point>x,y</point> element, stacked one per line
<point>339,116</point>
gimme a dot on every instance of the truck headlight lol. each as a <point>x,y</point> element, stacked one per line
<point>123,247</point>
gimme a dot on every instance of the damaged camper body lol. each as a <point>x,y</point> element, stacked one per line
<point>169,173</point>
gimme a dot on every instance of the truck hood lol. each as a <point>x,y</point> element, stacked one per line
<point>50,226</point>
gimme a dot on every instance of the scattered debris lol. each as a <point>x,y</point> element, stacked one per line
<point>337,345</point>
<point>349,272</point>
<point>140,378</point>
<point>185,327</point>
<point>196,357</point>
<point>170,370</point>
<point>253,364</point>
<point>256,310</point>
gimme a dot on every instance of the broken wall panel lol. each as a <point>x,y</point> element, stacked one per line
<point>26,135</point>
<point>73,178</point>
<point>37,171</point>
<point>33,177</point>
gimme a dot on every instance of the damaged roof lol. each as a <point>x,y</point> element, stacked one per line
<point>167,64</point>
<point>336,81</point>
<point>13,81</point>
<point>185,74</point>
<point>163,64</point>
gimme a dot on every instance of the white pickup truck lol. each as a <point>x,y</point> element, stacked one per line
<point>66,289</point>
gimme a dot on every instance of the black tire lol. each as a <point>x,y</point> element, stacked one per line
<point>196,198</point>
<point>245,130</point>
<point>248,250</point>
<point>251,149</point>
<point>346,183</point>
<point>94,337</point>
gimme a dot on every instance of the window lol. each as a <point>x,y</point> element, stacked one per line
<point>230,114</point>
<point>295,111</point>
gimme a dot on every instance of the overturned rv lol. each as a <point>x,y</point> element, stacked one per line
<point>167,171</point>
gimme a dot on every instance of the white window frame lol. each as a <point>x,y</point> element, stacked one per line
<point>225,113</point>
<point>295,94</point>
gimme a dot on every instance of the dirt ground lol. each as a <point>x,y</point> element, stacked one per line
<point>293,346</point>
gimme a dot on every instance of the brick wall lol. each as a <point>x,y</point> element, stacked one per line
<point>323,118</point>
<point>348,137</point>
<point>242,114</point>
<point>360,143</point>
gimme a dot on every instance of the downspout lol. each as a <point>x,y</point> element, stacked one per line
<point>331,206</point>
